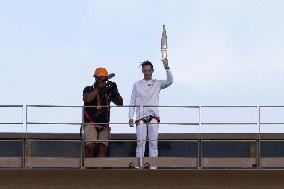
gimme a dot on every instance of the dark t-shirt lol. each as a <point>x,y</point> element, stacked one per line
<point>105,96</point>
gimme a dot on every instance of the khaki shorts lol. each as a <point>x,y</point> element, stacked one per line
<point>92,134</point>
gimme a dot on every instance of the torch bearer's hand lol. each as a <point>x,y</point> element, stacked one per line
<point>166,63</point>
<point>131,123</point>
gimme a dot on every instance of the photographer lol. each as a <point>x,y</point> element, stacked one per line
<point>100,94</point>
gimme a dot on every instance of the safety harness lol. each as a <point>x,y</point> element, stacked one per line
<point>99,108</point>
<point>146,120</point>
<point>99,102</point>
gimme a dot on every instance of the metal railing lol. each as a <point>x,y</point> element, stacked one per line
<point>199,162</point>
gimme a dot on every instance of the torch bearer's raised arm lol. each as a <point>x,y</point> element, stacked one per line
<point>164,44</point>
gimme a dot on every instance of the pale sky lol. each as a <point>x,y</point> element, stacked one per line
<point>220,52</point>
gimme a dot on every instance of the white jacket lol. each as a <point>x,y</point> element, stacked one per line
<point>147,93</point>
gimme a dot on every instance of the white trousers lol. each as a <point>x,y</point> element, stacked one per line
<point>150,130</point>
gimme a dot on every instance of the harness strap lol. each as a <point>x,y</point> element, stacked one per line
<point>148,119</point>
<point>108,103</point>
<point>98,103</point>
<point>89,118</point>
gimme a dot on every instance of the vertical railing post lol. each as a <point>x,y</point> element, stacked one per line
<point>199,150</point>
<point>259,139</point>
<point>82,136</point>
<point>25,138</point>
<point>141,109</point>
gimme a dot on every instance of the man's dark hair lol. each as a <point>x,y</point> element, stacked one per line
<point>146,63</point>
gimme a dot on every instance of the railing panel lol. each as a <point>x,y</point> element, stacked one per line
<point>11,118</point>
<point>53,153</point>
<point>11,153</point>
<point>209,137</point>
<point>272,153</point>
<point>229,154</point>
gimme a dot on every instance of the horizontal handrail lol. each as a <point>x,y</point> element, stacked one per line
<point>11,123</point>
<point>147,140</point>
<point>54,123</point>
<point>162,123</point>
<point>56,140</point>
<point>226,123</point>
<point>11,106</point>
<point>272,123</point>
<point>112,140</point>
<point>111,123</point>
<point>271,106</point>
<point>169,106</point>
<point>228,106</point>
<point>110,106</point>
<point>230,140</point>
<point>194,106</point>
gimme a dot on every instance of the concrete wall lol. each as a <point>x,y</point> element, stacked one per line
<point>213,148</point>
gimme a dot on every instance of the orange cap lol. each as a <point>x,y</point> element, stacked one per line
<point>100,72</point>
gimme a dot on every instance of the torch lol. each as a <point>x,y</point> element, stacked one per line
<point>164,44</point>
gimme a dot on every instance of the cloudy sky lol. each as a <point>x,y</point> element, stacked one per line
<point>221,52</point>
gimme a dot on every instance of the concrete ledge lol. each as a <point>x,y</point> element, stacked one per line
<point>272,162</point>
<point>11,162</point>
<point>52,162</point>
<point>172,162</point>
<point>223,162</point>
<point>111,162</point>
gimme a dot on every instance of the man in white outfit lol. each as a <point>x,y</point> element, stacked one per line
<point>146,93</point>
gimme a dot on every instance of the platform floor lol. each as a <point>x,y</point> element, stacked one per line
<point>115,179</point>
